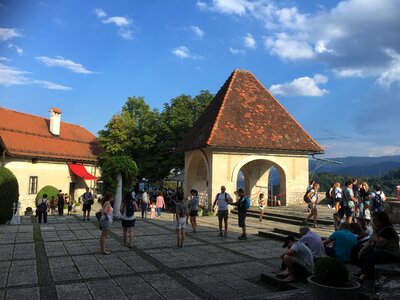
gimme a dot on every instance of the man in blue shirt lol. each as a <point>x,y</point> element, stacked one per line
<point>344,240</point>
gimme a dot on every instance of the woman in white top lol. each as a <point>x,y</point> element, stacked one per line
<point>127,209</point>
<point>313,196</point>
<point>337,195</point>
<point>105,222</point>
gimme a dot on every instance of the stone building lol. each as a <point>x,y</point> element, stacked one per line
<point>42,152</point>
<point>245,130</point>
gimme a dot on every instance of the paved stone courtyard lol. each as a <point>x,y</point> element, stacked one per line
<point>61,260</point>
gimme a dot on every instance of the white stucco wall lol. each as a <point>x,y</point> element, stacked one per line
<point>223,168</point>
<point>56,174</point>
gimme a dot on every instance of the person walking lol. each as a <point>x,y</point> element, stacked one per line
<point>243,204</point>
<point>152,210</point>
<point>127,209</point>
<point>337,195</point>
<point>378,199</point>
<point>348,203</point>
<point>194,209</point>
<point>261,204</point>
<point>313,197</point>
<point>106,220</point>
<point>87,204</point>
<point>144,203</point>
<point>160,204</point>
<point>221,200</point>
<point>42,208</point>
<point>181,220</point>
<point>60,203</point>
<point>52,205</point>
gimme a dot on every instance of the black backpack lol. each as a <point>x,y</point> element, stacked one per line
<point>377,200</point>
<point>42,207</point>
<point>305,197</point>
<point>129,209</point>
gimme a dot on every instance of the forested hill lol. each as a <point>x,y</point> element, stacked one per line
<point>359,166</point>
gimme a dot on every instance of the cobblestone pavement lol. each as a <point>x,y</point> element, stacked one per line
<point>61,260</point>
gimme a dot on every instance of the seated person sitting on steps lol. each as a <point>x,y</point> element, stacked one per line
<point>298,260</point>
<point>313,241</point>
<point>344,240</point>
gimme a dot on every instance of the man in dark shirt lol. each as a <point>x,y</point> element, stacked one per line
<point>242,212</point>
<point>60,203</point>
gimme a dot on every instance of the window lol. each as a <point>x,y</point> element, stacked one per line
<point>33,183</point>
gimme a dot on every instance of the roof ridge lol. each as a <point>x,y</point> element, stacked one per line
<point>285,110</point>
<point>233,76</point>
<point>40,117</point>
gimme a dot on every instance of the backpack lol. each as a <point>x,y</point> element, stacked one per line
<point>129,209</point>
<point>247,205</point>
<point>378,200</point>
<point>42,207</point>
<point>305,198</point>
<point>226,197</point>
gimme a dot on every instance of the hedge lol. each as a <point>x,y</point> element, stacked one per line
<point>8,194</point>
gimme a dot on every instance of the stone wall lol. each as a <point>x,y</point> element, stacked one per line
<point>392,208</point>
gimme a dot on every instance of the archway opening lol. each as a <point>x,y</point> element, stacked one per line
<point>263,176</point>
<point>197,177</point>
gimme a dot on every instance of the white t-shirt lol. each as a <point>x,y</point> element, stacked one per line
<point>314,196</point>
<point>304,255</point>
<point>221,202</point>
<point>337,193</point>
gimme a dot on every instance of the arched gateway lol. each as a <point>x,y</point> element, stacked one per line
<point>246,131</point>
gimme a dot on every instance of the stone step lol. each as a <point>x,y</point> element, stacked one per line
<point>294,220</point>
<point>272,235</point>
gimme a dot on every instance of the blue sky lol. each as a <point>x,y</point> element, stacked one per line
<point>334,65</point>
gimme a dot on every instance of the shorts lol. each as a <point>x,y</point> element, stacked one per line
<point>262,207</point>
<point>338,200</point>
<point>193,213</point>
<point>105,224</point>
<point>86,207</point>
<point>181,224</point>
<point>242,219</point>
<point>345,210</point>
<point>128,223</point>
<point>222,214</point>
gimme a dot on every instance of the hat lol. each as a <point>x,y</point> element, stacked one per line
<point>287,240</point>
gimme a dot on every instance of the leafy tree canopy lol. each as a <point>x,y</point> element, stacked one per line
<point>149,137</point>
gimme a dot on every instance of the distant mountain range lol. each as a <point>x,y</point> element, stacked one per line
<point>358,166</point>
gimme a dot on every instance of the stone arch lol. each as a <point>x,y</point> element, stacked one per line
<point>197,175</point>
<point>256,169</point>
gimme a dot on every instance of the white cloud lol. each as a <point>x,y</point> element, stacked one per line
<point>349,72</point>
<point>8,34</point>
<point>12,76</point>
<point>347,37</point>
<point>236,51</point>
<point>289,48</point>
<point>6,59</point>
<point>201,5</point>
<point>249,41</point>
<point>303,86</point>
<point>197,31</point>
<point>16,48</point>
<point>124,24</point>
<point>119,21</point>
<point>61,62</point>
<point>183,52</point>
<point>100,13</point>
<point>392,73</point>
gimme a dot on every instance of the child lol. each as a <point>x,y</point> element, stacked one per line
<point>52,205</point>
<point>152,210</point>
<point>261,203</point>
<point>69,205</point>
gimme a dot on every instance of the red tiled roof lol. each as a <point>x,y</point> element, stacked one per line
<point>245,115</point>
<point>26,135</point>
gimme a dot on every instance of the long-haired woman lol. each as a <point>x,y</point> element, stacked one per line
<point>313,196</point>
<point>105,222</point>
<point>127,209</point>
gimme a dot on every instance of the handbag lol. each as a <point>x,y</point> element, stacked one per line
<point>91,202</point>
<point>98,217</point>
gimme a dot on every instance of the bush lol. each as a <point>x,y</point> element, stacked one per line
<point>331,271</point>
<point>8,194</point>
<point>49,190</point>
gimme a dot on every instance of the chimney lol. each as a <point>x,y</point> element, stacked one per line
<point>55,120</point>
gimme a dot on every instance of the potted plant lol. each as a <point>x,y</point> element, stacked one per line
<point>331,281</point>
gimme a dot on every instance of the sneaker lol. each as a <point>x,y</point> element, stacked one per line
<point>87,219</point>
<point>329,206</point>
<point>83,220</point>
<point>220,234</point>
<point>225,234</point>
<point>242,238</point>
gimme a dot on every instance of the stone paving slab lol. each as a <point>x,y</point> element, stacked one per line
<point>208,266</point>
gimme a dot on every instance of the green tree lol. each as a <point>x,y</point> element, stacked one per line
<point>112,166</point>
<point>8,194</point>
